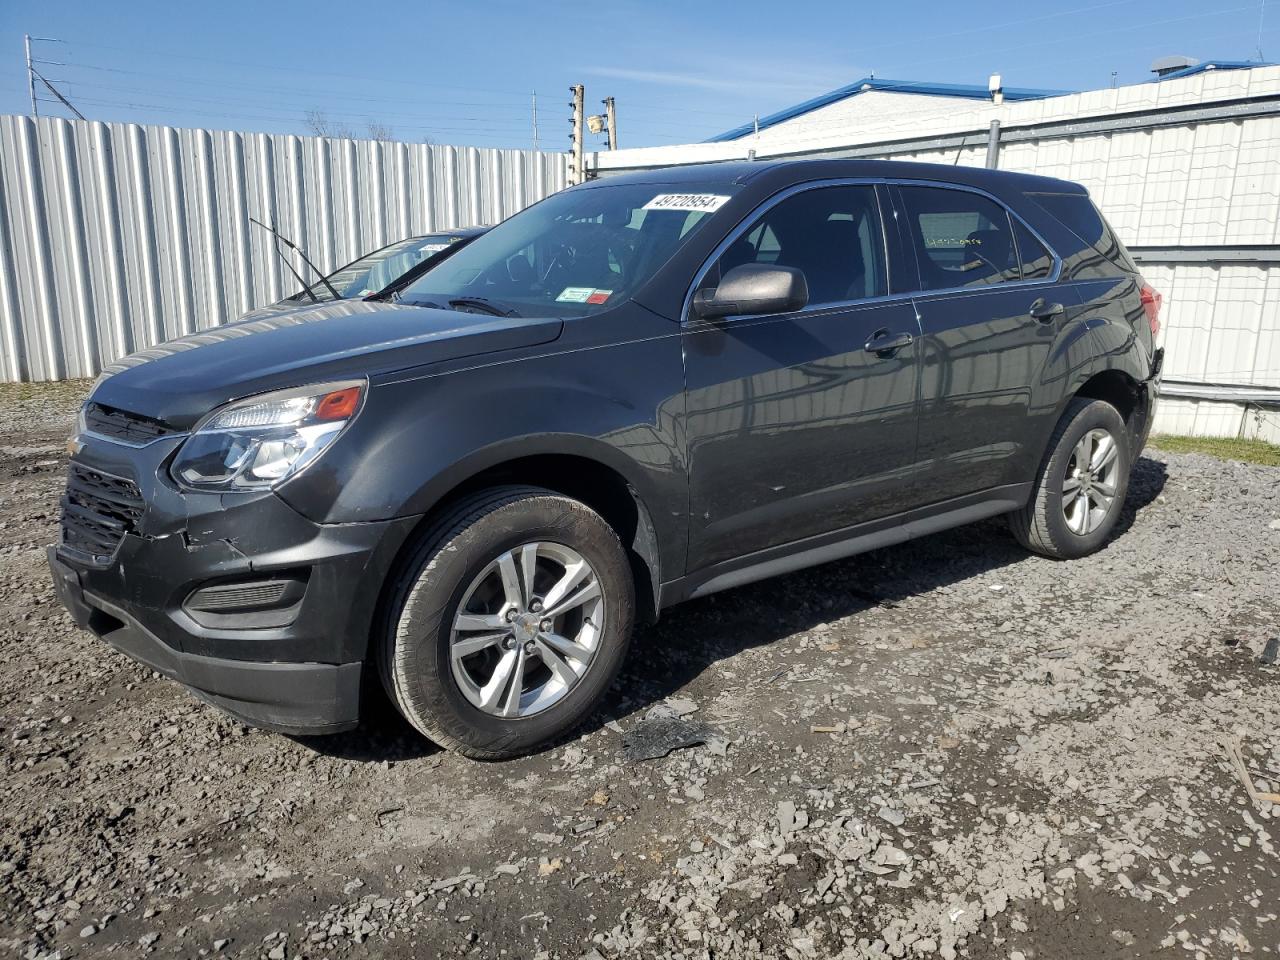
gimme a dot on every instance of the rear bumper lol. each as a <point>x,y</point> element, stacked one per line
<point>295,698</point>
<point>1152,385</point>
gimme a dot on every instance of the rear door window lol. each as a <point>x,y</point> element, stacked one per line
<point>832,235</point>
<point>962,239</point>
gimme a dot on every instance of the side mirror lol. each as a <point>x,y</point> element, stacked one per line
<point>753,288</point>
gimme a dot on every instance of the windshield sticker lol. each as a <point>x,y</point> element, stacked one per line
<point>599,296</point>
<point>689,202</point>
<point>575,294</point>
<point>431,248</point>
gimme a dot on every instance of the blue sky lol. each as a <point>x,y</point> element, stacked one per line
<point>680,72</point>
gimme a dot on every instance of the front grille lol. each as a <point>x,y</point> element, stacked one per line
<point>97,511</point>
<point>123,425</point>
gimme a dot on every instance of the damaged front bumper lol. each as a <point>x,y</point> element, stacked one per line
<point>254,607</point>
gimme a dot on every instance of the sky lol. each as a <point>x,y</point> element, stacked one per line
<point>469,73</point>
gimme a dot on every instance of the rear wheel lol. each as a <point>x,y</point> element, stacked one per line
<point>1081,485</point>
<point>508,625</point>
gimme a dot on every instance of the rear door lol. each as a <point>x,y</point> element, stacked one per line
<point>795,428</point>
<point>981,275</point>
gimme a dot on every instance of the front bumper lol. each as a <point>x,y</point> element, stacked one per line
<point>298,671</point>
<point>296,698</point>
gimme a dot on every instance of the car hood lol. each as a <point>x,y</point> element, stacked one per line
<point>277,308</point>
<point>180,381</point>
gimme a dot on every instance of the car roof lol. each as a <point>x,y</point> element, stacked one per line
<point>786,172</point>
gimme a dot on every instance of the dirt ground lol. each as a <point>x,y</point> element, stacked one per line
<point>948,748</point>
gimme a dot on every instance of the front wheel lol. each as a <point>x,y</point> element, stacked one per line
<point>510,622</point>
<point>1081,485</point>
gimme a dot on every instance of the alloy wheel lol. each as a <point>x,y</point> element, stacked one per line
<point>527,630</point>
<point>1089,487</point>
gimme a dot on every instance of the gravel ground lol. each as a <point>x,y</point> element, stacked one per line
<point>948,748</point>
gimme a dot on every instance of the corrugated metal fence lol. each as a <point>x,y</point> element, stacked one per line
<point>114,237</point>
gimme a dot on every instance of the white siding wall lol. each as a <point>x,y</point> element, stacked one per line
<point>114,237</point>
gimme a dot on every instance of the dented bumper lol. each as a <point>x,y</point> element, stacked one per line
<point>294,667</point>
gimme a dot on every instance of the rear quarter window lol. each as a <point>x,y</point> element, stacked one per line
<point>1077,213</point>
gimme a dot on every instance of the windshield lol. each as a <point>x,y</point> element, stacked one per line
<point>574,254</point>
<point>376,270</point>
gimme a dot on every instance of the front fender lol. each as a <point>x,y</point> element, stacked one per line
<point>418,439</point>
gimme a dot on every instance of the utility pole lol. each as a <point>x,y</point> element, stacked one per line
<point>576,173</point>
<point>611,118</point>
<point>535,120</point>
<point>31,76</point>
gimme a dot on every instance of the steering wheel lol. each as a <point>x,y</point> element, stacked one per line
<point>564,258</point>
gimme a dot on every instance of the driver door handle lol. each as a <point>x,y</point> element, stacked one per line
<point>886,344</point>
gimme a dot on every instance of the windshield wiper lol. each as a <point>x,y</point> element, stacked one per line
<point>485,305</point>
<point>281,238</point>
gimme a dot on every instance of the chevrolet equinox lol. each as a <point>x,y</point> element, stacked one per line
<point>641,390</point>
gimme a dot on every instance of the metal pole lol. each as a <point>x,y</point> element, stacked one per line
<point>535,121</point>
<point>577,174</point>
<point>612,119</point>
<point>993,145</point>
<point>31,77</point>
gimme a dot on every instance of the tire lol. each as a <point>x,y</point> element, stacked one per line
<point>1050,524</point>
<point>457,569</point>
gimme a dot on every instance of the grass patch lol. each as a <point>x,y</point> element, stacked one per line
<point>1226,448</point>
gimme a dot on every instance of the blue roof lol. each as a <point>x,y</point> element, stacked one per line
<point>1214,65</point>
<point>961,90</point>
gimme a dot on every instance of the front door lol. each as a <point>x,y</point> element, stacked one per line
<point>794,427</point>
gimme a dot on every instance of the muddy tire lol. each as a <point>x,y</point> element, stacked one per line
<point>508,623</point>
<point>1081,485</point>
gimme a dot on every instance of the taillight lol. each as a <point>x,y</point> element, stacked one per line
<point>1151,301</point>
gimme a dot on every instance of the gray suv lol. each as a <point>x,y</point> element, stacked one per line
<point>638,391</point>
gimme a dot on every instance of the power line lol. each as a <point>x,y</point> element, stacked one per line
<point>301,105</point>
<point>311,93</point>
<point>511,121</point>
<point>294,71</point>
<point>307,100</point>
<point>163,108</point>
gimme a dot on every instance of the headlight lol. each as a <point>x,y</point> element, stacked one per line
<point>257,443</point>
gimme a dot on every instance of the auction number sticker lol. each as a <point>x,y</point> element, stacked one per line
<point>583,295</point>
<point>689,202</point>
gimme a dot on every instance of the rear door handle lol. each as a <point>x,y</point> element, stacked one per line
<point>1042,311</point>
<point>885,344</point>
